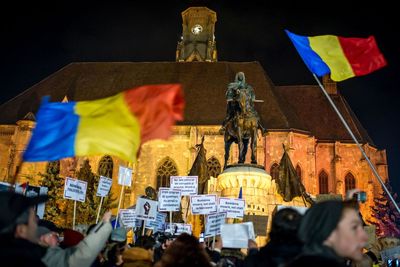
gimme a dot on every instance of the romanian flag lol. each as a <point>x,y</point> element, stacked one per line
<point>342,57</point>
<point>115,125</point>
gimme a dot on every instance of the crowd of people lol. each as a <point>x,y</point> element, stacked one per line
<point>330,233</point>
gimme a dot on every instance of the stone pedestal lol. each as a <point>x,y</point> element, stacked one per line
<point>258,189</point>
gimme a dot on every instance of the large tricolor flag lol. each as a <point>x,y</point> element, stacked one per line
<point>115,125</point>
<point>342,57</point>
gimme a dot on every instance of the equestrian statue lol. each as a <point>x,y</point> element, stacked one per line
<point>242,120</point>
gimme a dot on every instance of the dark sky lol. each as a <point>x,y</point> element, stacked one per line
<point>40,38</point>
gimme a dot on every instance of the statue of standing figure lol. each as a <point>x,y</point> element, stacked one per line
<point>242,120</point>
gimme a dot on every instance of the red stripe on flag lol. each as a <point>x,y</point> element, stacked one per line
<point>363,54</point>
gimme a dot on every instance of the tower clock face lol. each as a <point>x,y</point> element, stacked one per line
<point>196,29</point>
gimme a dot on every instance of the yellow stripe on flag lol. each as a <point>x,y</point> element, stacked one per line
<point>107,126</point>
<point>329,49</point>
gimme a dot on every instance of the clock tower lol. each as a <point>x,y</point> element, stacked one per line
<point>198,40</point>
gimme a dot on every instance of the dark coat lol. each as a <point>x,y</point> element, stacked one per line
<point>323,256</point>
<point>20,253</point>
<point>316,261</point>
<point>274,255</point>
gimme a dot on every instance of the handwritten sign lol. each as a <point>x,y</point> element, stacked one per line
<point>104,186</point>
<point>186,184</point>
<point>169,199</point>
<point>75,189</point>
<point>203,204</point>
<point>234,208</point>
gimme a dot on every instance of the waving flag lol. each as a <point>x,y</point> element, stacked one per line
<point>115,125</point>
<point>342,57</point>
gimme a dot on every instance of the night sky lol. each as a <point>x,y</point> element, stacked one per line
<point>38,39</point>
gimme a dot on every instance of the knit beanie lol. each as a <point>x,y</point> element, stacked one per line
<point>319,222</point>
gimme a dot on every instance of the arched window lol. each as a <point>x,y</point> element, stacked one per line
<point>214,167</point>
<point>274,171</point>
<point>167,168</point>
<point>298,172</point>
<point>349,182</point>
<point>106,166</point>
<point>323,182</point>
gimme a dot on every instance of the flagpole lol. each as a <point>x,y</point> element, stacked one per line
<point>355,140</point>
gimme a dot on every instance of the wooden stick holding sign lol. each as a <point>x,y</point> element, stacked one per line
<point>75,189</point>
<point>102,191</point>
<point>124,178</point>
<point>73,219</point>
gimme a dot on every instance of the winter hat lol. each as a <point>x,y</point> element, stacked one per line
<point>320,221</point>
<point>71,238</point>
<point>14,205</point>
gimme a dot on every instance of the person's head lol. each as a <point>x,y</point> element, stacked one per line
<point>185,250</point>
<point>146,242</point>
<point>17,216</point>
<point>285,224</point>
<point>240,78</point>
<point>164,240</point>
<point>335,224</point>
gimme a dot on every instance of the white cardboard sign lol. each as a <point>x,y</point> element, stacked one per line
<point>124,176</point>
<point>187,184</point>
<point>234,208</point>
<point>158,224</point>
<point>127,217</point>
<point>104,186</point>
<point>213,224</point>
<point>237,235</point>
<point>169,199</point>
<point>203,204</point>
<point>146,209</point>
<point>75,189</point>
<point>179,228</point>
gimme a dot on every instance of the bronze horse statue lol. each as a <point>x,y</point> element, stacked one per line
<point>242,128</point>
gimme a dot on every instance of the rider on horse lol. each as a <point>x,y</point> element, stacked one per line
<point>233,106</point>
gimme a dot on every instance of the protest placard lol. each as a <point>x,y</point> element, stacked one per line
<point>213,224</point>
<point>124,176</point>
<point>169,199</point>
<point>235,235</point>
<point>179,228</point>
<point>146,209</point>
<point>186,184</point>
<point>234,208</point>
<point>203,204</point>
<point>75,189</point>
<point>159,224</point>
<point>127,217</point>
<point>104,186</point>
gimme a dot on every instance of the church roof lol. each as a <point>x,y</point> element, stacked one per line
<point>318,116</point>
<point>204,84</point>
